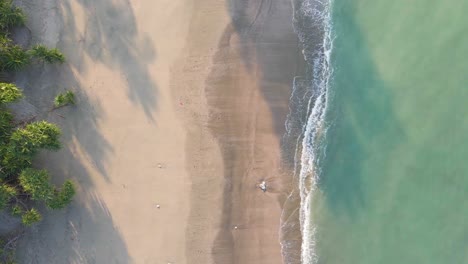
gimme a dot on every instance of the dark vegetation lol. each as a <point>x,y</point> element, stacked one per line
<point>23,187</point>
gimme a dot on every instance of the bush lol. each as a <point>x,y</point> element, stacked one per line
<point>63,99</point>
<point>17,210</point>
<point>63,197</point>
<point>9,93</point>
<point>6,193</point>
<point>36,136</point>
<point>14,58</point>
<point>10,16</point>
<point>18,146</point>
<point>36,183</point>
<point>47,55</point>
<point>6,127</point>
<point>24,143</point>
<point>30,217</point>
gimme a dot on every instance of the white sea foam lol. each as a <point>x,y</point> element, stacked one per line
<point>313,138</point>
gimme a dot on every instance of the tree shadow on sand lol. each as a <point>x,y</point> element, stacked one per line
<point>110,37</point>
<point>81,234</point>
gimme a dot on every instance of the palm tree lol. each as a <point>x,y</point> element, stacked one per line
<point>10,16</point>
<point>63,99</point>
<point>13,58</point>
<point>47,55</point>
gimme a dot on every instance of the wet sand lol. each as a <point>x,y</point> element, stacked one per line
<point>181,104</point>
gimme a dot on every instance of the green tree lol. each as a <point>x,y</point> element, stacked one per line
<point>6,193</point>
<point>63,99</point>
<point>30,217</point>
<point>9,93</point>
<point>24,143</point>
<point>17,210</point>
<point>10,15</point>
<point>63,197</point>
<point>13,58</point>
<point>35,136</point>
<point>36,184</point>
<point>6,128</point>
<point>48,55</point>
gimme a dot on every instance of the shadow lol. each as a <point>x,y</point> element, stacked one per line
<point>84,232</point>
<point>361,112</point>
<point>81,234</point>
<point>111,37</point>
<point>79,124</point>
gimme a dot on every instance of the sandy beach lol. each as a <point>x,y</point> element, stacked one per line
<point>181,110</point>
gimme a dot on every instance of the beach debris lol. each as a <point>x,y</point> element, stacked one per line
<point>158,206</point>
<point>236,227</point>
<point>160,165</point>
<point>263,186</point>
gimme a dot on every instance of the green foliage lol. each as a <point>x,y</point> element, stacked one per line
<point>6,193</point>
<point>63,99</point>
<point>10,16</point>
<point>62,197</point>
<point>24,143</point>
<point>36,183</point>
<point>6,127</point>
<point>18,146</point>
<point>9,93</point>
<point>17,210</point>
<point>13,58</point>
<point>30,217</point>
<point>35,136</point>
<point>47,55</point>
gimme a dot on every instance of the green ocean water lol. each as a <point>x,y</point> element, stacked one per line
<point>394,183</point>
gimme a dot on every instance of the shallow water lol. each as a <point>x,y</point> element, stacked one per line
<point>393,181</point>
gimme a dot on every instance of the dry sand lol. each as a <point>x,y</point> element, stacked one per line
<point>181,103</point>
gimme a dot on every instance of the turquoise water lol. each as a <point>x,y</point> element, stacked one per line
<point>394,181</point>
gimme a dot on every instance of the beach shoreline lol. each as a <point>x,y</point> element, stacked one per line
<point>187,116</point>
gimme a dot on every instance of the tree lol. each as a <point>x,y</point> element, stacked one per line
<point>20,185</point>
<point>10,16</point>
<point>35,136</point>
<point>63,99</point>
<point>9,93</point>
<point>6,127</point>
<point>13,58</point>
<point>6,193</point>
<point>30,217</point>
<point>24,143</point>
<point>36,184</point>
<point>17,210</point>
<point>47,55</point>
<point>62,197</point>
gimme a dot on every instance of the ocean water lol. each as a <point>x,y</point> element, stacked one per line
<point>382,160</point>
